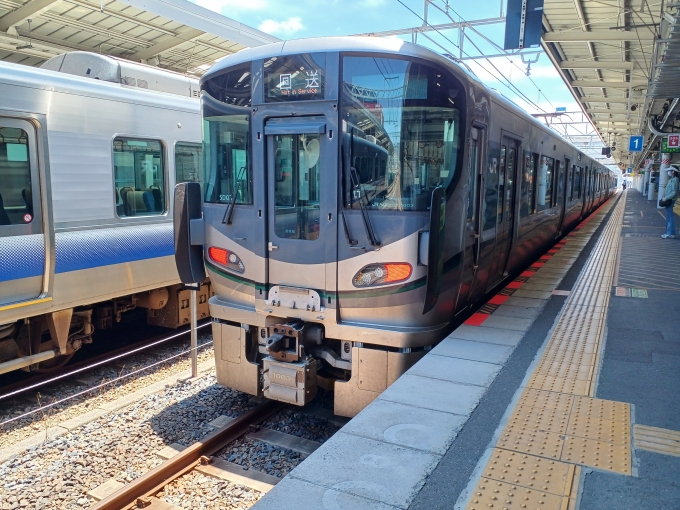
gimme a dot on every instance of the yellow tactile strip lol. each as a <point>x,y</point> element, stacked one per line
<point>557,425</point>
<point>657,440</point>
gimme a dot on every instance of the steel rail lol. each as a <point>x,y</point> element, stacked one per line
<point>41,379</point>
<point>153,481</point>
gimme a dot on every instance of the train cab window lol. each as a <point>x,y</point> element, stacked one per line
<point>16,202</point>
<point>527,199</point>
<point>544,186</point>
<point>188,162</point>
<point>226,159</point>
<point>296,169</point>
<point>138,170</point>
<point>402,131</point>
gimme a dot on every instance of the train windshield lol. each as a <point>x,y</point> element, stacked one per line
<point>402,128</point>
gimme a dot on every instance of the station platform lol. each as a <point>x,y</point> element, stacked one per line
<point>561,393</point>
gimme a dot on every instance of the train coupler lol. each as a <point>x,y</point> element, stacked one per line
<point>291,382</point>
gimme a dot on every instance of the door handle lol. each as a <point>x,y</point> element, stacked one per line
<point>272,247</point>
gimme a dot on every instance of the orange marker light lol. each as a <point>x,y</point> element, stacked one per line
<point>219,255</point>
<point>397,272</point>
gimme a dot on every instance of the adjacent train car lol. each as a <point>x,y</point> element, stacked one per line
<point>375,193</point>
<point>90,149</point>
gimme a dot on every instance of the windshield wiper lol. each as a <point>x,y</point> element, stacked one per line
<point>230,208</point>
<point>354,176</point>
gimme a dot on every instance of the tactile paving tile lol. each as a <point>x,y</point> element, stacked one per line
<point>536,418</point>
<point>546,399</point>
<point>530,471</point>
<point>603,409</point>
<point>559,384</point>
<point>536,452</point>
<point>599,429</point>
<point>491,494</point>
<point>597,454</point>
<point>535,442</point>
<point>657,440</point>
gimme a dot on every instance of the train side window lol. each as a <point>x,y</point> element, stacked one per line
<point>138,172</point>
<point>570,191</point>
<point>16,201</point>
<point>577,182</point>
<point>544,188</point>
<point>501,183</point>
<point>491,194</point>
<point>473,166</point>
<point>188,162</point>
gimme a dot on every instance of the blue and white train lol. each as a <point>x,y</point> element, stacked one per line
<point>90,149</point>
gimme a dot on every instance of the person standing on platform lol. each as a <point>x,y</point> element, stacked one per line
<point>670,195</point>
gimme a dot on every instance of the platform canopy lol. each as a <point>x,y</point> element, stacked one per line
<point>620,60</point>
<point>173,34</point>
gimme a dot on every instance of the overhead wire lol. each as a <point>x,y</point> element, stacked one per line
<point>510,85</point>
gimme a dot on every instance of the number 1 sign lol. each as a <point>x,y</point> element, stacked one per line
<point>635,143</point>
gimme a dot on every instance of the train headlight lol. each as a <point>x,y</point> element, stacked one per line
<point>226,258</point>
<point>381,274</point>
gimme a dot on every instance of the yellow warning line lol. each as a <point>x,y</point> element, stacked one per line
<point>557,425</point>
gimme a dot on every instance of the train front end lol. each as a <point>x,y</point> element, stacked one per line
<point>326,214</point>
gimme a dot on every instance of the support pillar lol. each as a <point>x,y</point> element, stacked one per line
<point>651,191</point>
<point>663,177</point>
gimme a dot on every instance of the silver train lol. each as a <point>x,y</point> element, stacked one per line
<point>89,148</point>
<point>361,197</point>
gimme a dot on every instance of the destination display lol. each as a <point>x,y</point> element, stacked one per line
<point>295,77</point>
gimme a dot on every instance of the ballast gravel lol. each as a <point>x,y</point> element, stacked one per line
<point>42,419</point>
<point>59,473</point>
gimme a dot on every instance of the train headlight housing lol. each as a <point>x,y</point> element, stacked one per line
<point>381,274</point>
<point>226,258</point>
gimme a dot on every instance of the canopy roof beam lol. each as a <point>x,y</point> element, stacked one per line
<point>29,10</point>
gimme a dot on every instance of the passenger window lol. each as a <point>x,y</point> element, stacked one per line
<point>138,171</point>
<point>545,183</point>
<point>188,163</point>
<point>526,206</point>
<point>491,194</point>
<point>16,201</point>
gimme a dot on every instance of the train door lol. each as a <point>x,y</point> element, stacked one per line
<point>473,219</point>
<point>505,220</point>
<point>563,179</point>
<point>302,201</point>
<point>24,240</point>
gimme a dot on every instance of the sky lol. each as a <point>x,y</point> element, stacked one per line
<point>542,91</point>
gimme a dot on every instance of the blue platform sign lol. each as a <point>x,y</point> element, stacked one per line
<point>635,143</point>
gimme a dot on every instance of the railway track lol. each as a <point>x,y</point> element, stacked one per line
<point>141,492</point>
<point>42,379</point>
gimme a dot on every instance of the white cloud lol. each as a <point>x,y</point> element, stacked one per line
<point>226,6</point>
<point>286,27</point>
